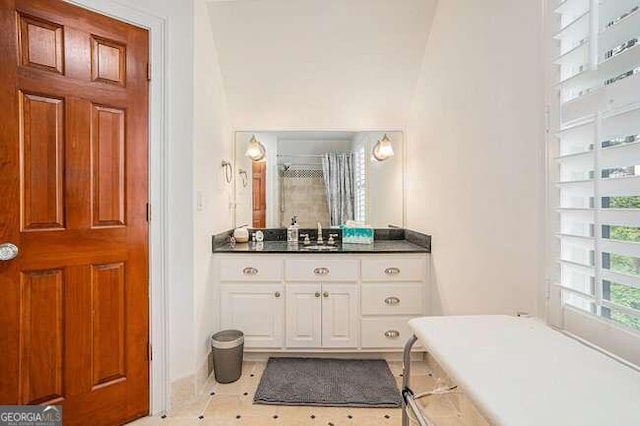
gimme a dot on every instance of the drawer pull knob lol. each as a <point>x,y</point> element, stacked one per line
<point>317,294</point>
<point>325,294</point>
<point>392,271</point>
<point>392,300</point>
<point>277,294</point>
<point>392,334</point>
<point>250,271</point>
<point>321,271</point>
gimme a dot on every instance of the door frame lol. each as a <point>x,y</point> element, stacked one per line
<point>158,231</point>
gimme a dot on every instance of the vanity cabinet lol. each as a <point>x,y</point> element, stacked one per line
<point>315,302</point>
<point>393,290</point>
<point>328,308</point>
<point>322,315</point>
<point>255,309</point>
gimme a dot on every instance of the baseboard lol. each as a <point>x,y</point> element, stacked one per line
<point>188,388</point>
<point>387,356</point>
<point>183,391</point>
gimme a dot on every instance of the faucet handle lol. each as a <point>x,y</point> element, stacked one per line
<point>306,241</point>
<point>331,241</point>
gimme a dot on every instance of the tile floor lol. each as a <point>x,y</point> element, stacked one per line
<point>232,404</point>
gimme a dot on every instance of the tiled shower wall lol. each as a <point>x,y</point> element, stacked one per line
<point>303,195</point>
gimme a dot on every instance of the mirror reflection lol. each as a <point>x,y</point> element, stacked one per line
<point>329,177</point>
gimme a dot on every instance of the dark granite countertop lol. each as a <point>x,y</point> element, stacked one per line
<point>386,240</point>
<point>383,246</point>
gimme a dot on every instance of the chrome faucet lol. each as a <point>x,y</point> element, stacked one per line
<point>320,241</point>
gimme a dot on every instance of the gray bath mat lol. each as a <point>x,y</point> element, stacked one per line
<point>328,382</point>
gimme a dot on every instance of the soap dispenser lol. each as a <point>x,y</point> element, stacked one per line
<point>292,230</point>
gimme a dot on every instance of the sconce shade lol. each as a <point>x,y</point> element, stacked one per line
<point>382,150</point>
<point>255,150</point>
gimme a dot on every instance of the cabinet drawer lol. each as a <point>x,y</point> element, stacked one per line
<point>321,270</point>
<point>385,332</point>
<point>387,268</point>
<point>392,299</point>
<point>254,268</point>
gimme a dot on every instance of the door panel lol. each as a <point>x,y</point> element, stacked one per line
<point>255,309</point>
<point>107,61</point>
<point>42,335</point>
<point>259,191</point>
<point>304,315</point>
<point>108,165</point>
<point>42,159</point>
<point>74,189</point>
<point>41,44</point>
<point>108,323</point>
<point>339,316</point>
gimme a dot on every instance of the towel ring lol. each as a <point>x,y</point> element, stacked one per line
<point>228,170</point>
<point>244,176</point>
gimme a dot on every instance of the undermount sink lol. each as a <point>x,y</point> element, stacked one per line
<point>317,247</point>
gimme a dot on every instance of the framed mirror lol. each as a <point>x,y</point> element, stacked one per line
<point>319,176</point>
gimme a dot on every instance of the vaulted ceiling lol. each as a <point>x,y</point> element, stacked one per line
<point>320,63</point>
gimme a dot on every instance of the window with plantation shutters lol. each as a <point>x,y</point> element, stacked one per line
<point>360,183</point>
<point>595,159</point>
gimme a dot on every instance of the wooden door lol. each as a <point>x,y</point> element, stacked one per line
<point>259,189</point>
<point>255,309</point>
<point>339,316</point>
<point>73,133</point>
<point>304,316</point>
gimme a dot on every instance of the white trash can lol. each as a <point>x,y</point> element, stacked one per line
<point>227,347</point>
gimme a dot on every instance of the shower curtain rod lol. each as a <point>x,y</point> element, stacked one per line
<point>299,164</point>
<point>301,155</point>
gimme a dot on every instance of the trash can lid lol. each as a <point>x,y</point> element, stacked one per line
<point>227,339</point>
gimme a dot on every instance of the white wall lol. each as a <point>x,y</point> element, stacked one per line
<point>320,64</point>
<point>199,137</point>
<point>213,143</point>
<point>179,97</point>
<point>475,168</point>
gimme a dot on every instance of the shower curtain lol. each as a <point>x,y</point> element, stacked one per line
<point>338,181</point>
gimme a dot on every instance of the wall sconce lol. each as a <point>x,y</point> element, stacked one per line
<point>382,150</point>
<point>255,150</point>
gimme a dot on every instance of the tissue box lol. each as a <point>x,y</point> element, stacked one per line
<point>357,235</point>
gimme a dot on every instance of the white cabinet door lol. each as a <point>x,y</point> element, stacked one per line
<point>304,315</point>
<point>257,310</point>
<point>339,316</point>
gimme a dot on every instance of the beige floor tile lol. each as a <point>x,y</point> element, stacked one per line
<point>147,421</point>
<point>223,407</point>
<point>439,406</point>
<point>418,368</point>
<point>248,408</point>
<point>236,399</point>
<point>191,409</point>
<point>173,421</point>
<point>419,384</point>
<point>365,419</point>
<point>449,421</point>
<point>246,383</point>
<point>258,367</point>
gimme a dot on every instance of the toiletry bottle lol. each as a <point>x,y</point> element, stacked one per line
<point>292,231</point>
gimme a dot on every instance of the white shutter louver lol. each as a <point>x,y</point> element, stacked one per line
<point>360,183</point>
<point>596,158</point>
